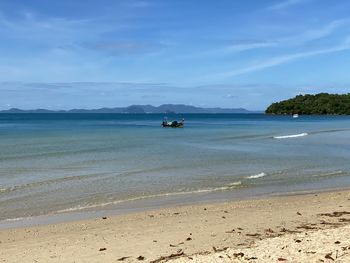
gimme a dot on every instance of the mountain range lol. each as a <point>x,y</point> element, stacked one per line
<point>138,109</point>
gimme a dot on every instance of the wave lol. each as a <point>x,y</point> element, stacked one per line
<point>238,137</point>
<point>48,182</point>
<point>57,153</point>
<point>291,136</point>
<point>17,219</point>
<point>255,176</point>
<point>330,131</point>
<point>199,191</point>
<point>335,173</point>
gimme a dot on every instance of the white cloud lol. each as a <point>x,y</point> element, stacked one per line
<point>247,46</point>
<point>314,34</point>
<point>275,61</point>
<point>284,4</point>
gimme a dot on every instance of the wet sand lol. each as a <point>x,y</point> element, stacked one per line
<point>298,228</point>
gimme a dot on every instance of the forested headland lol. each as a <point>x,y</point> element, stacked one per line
<point>322,103</point>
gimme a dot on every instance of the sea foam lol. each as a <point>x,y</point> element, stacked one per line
<point>116,202</point>
<point>254,176</point>
<point>291,136</point>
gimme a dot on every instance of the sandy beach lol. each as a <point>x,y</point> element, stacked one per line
<point>310,227</point>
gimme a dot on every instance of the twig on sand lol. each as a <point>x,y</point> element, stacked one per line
<point>178,254</point>
<point>219,249</point>
<point>329,223</point>
<point>239,254</point>
<point>181,243</point>
<point>285,230</point>
<point>329,256</point>
<point>335,214</point>
<point>122,258</point>
<point>307,227</point>
<point>253,235</point>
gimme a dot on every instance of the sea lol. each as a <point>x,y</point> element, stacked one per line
<point>61,165</point>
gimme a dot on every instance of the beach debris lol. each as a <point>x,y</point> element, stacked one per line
<point>178,254</point>
<point>219,249</point>
<point>298,213</point>
<point>329,256</point>
<point>103,249</point>
<point>253,235</point>
<point>104,217</point>
<point>242,244</point>
<point>205,209</point>
<point>122,258</point>
<point>239,228</point>
<point>155,241</point>
<point>345,248</point>
<point>337,242</point>
<point>329,223</point>
<point>251,258</point>
<point>177,213</point>
<point>188,239</point>
<point>223,217</point>
<point>335,214</point>
<point>282,259</point>
<point>239,254</point>
<point>269,230</point>
<point>297,241</point>
<point>140,258</point>
<point>181,243</point>
<point>307,227</point>
<point>151,216</point>
<point>230,231</point>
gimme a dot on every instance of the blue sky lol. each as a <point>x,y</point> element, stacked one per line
<point>229,53</point>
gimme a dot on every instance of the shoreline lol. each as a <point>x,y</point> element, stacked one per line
<point>191,229</point>
<point>66,217</point>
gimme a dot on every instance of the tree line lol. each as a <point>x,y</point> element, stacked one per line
<point>322,103</point>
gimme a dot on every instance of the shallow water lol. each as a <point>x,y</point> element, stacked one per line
<point>56,163</point>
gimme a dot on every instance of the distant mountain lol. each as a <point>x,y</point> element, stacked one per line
<point>137,109</point>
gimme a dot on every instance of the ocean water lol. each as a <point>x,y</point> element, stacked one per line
<point>53,164</point>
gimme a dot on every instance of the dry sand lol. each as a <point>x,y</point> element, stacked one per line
<point>299,228</point>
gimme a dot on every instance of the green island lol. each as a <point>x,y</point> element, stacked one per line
<point>319,104</point>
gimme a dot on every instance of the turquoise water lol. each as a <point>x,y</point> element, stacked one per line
<point>59,163</point>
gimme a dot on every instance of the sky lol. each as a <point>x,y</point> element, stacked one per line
<point>228,53</point>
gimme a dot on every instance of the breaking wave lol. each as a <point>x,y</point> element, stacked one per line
<point>255,176</point>
<point>207,190</point>
<point>291,136</point>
